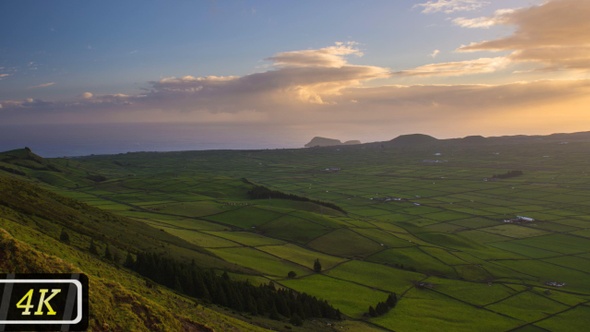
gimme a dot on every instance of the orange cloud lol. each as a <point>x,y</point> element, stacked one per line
<point>554,35</point>
<point>319,91</point>
<point>458,68</point>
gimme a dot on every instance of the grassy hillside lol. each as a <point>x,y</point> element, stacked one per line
<point>119,300</point>
<point>32,221</point>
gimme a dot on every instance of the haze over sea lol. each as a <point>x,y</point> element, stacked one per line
<point>87,139</point>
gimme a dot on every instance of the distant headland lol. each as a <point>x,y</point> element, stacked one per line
<point>322,141</point>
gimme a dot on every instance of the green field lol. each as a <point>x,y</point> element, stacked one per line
<point>385,223</point>
<point>351,298</point>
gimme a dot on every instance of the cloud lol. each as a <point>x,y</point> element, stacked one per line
<point>307,75</point>
<point>500,17</point>
<point>470,98</point>
<point>2,76</point>
<point>44,85</point>
<point>325,57</point>
<point>320,91</point>
<point>554,35</point>
<point>296,77</point>
<point>434,53</point>
<point>451,6</point>
<point>458,68</point>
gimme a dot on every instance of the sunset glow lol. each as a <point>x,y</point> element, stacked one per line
<point>257,74</point>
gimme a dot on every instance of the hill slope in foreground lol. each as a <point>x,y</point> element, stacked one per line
<point>487,234</point>
<point>31,220</point>
<point>44,232</point>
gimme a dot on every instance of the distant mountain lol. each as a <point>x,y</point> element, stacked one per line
<point>413,139</point>
<point>322,141</point>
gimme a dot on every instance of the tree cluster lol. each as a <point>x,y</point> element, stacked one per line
<point>12,170</point>
<point>507,175</point>
<point>241,296</point>
<point>261,192</point>
<point>382,307</point>
<point>96,177</point>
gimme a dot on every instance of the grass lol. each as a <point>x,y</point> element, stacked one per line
<point>302,256</point>
<point>383,237</point>
<point>576,319</point>
<point>527,306</point>
<point>525,250</point>
<point>515,231</point>
<point>247,238</point>
<point>246,217</point>
<point>376,276</point>
<point>345,243</point>
<point>259,261</point>
<point>201,239</point>
<point>571,262</point>
<point>190,209</point>
<point>562,243</point>
<point>412,259</point>
<point>117,298</point>
<point>542,272</point>
<point>475,293</point>
<point>293,229</point>
<point>421,310</point>
<point>350,298</point>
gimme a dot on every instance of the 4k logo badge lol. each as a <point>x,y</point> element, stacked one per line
<point>37,302</point>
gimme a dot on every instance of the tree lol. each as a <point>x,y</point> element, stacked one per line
<point>274,314</point>
<point>296,320</point>
<point>92,248</point>
<point>64,236</point>
<point>129,262</point>
<point>291,274</point>
<point>116,257</point>
<point>317,266</point>
<point>381,308</point>
<point>391,300</point>
<point>372,312</point>
<point>107,253</point>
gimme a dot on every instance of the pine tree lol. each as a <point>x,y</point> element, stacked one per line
<point>92,248</point>
<point>382,308</point>
<point>107,253</point>
<point>129,262</point>
<point>116,257</point>
<point>317,266</point>
<point>372,312</point>
<point>391,300</point>
<point>64,236</point>
<point>274,315</point>
<point>296,320</point>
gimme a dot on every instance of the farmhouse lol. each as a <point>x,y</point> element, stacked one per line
<point>433,161</point>
<point>519,220</point>
<point>388,199</point>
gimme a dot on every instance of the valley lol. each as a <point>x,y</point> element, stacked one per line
<point>418,217</point>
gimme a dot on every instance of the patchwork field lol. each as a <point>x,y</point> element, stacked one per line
<point>444,237</point>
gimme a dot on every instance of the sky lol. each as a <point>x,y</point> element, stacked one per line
<point>84,77</point>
